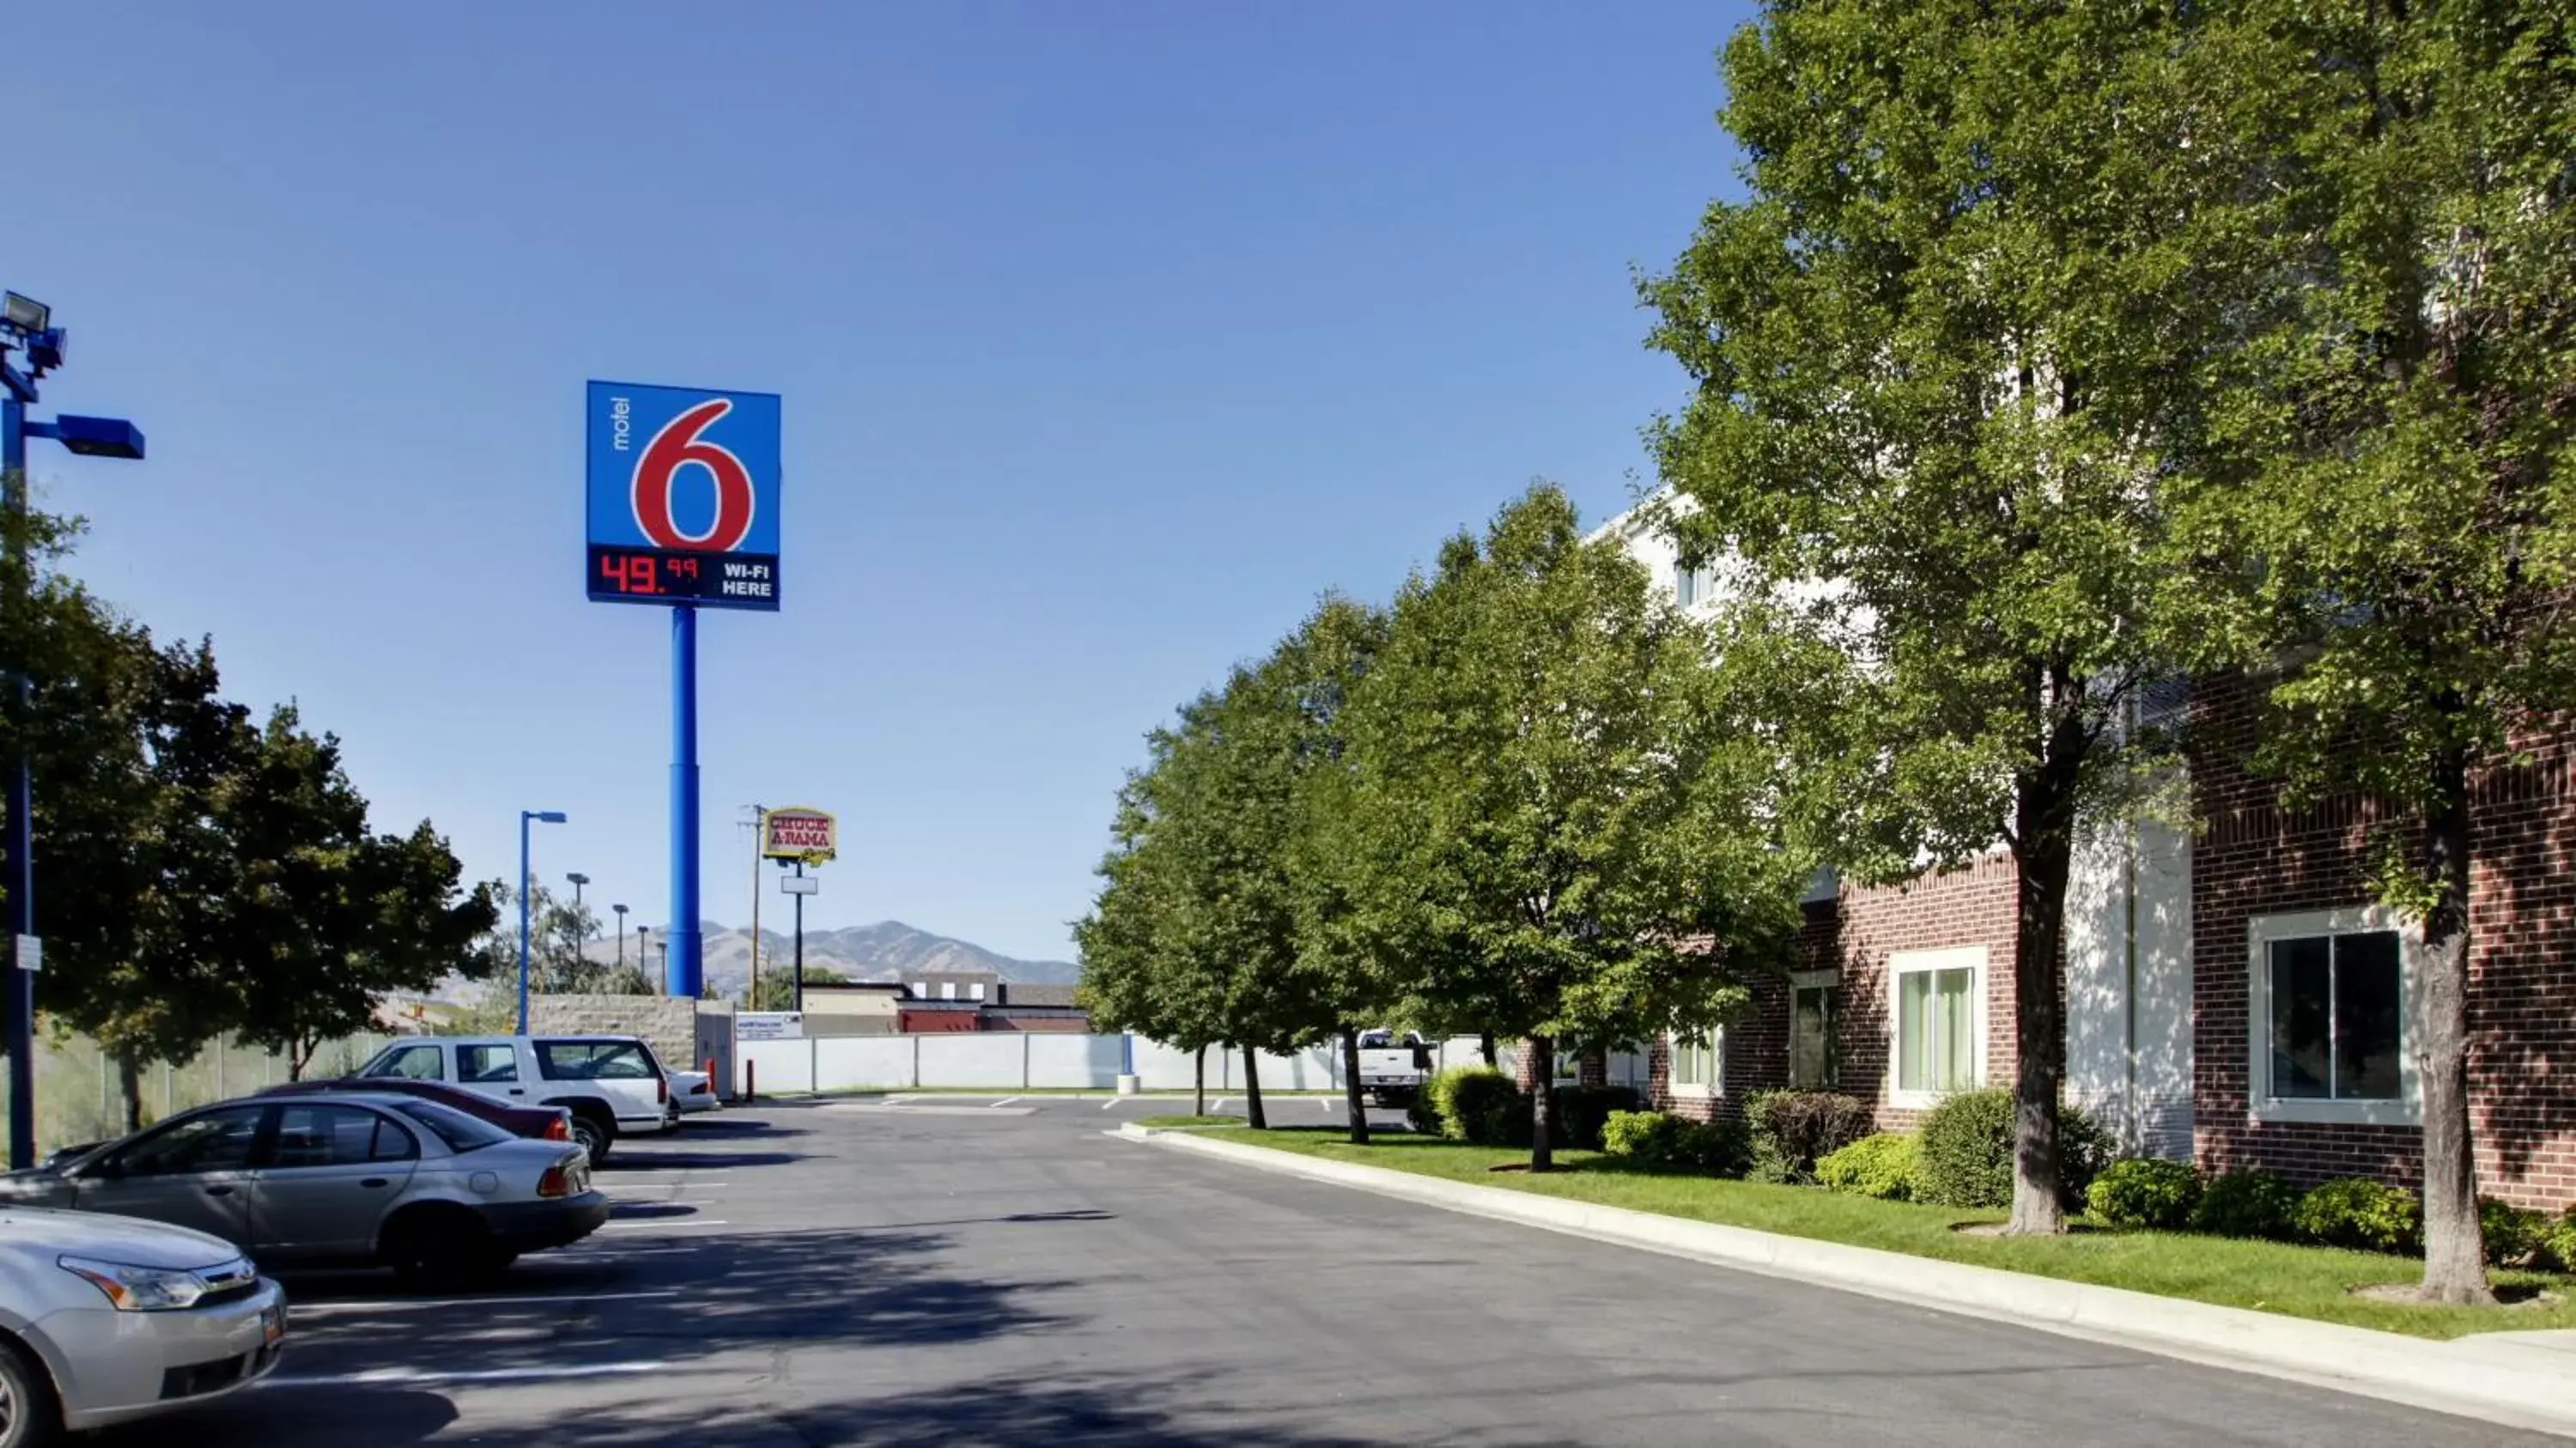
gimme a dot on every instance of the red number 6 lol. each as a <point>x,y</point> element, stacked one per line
<point>676,446</point>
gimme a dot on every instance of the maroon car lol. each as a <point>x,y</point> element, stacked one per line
<point>539,1123</point>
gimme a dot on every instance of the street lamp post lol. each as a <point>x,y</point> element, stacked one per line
<point>527,887</point>
<point>580,929</point>
<point>27,324</point>
<point>621,937</point>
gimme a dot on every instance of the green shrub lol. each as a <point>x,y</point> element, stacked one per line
<point>1886,1166</point>
<point>2560,1242</point>
<point>1967,1149</point>
<point>1660,1139</point>
<point>2246,1204</point>
<point>2515,1236</point>
<point>1422,1113</point>
<point>1479,1105</point>
<point>1581,1111</point>
<point>1790,1130</point>
<point>2361,1214</point>
<point>2145,1192</point>
<point>1645,1137</point>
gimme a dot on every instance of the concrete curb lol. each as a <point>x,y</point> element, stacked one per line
<point>2515,1384</point>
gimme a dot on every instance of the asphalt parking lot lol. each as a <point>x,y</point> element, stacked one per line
<point>953,1271</point>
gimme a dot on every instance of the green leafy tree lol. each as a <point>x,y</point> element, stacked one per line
<point>327,917</point>
<point>1142,969</point>
<point>2388,517</point>
<point>1545,788</point>
<point>778,987</point>
<point>1947,351</point>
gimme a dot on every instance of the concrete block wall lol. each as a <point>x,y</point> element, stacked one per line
<point>668,1025</point>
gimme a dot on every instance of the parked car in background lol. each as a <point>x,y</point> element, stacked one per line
<point>338,1179</point>
<point>105,1320</point>
<point>612,1085</point>
<point>693,1092</point>
<point>536,1123</point>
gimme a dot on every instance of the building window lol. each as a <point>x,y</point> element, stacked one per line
<point>1938,1011</point>
<point>1815,1012</point>
<point>1693,585</point>
<point>2329,1018</point>
<point>1696,1062</point>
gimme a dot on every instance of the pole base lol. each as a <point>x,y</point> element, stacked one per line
<point>1130,1085</point>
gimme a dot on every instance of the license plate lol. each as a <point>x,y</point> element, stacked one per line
<point>272,1325</point>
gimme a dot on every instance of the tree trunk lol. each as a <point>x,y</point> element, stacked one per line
<point>2044,849</point>
<point>1351,1093</point>
<point>1200,1109</point>
<point>1542,1102</point>
<point>129,1080</point>
<point>2454,1245</point>
<point>1252,1090</point>
<point>1485,1043</point>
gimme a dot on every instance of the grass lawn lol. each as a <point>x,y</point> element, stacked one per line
<point>2311,1282</point>
<point>1191,1121</point>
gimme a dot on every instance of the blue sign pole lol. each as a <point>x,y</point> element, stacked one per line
<point>683,973</point>
<point>21,1004</point>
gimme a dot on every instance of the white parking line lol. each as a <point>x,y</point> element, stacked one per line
<point>1324,1104</point>
<point>421,1377</point>
<point>651,1222</point>
<point>404,1304</point>
<point>1005,1101</point>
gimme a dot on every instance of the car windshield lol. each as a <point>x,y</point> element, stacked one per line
<point>461,1132</point>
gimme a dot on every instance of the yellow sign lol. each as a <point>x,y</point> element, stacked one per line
<point>799,833</point>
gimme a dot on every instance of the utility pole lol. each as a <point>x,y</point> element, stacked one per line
<point>758,821</point>
<point>621,937</point>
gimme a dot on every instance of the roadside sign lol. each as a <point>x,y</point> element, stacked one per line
<point>768,1026</point>
<point>800,832</point>
<point>683,490</point>
<point>30,954</point>
<point>800,885</point>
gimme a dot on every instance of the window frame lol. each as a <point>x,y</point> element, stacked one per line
<point>1715,1086</point>
<point>2261,931</point>
<point>1902,963</point>
<point>1826,980</point>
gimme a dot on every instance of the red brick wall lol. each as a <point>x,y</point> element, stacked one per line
<point>2257,858</point>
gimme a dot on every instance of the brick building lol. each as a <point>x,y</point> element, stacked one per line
<point>2232,994</point>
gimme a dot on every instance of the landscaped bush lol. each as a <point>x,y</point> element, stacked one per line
<point>1422,1113</point>
<point>2361,1214</point>
<point>2515,1236</point>
<point>1479,1105</point>
<point>2561,1242</point>
<point>1792,1129</point>
<point>1887,1166</point>
<point>1967,1146</point>
<point>2145,1192</point>
<point>1660,1139</point>
<point>2246,1204</point>
<point>1581,1112</point>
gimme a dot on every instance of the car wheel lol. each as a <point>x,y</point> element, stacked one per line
<point>445,1251</point>
<point>596,1137</point>
<point>29,1416</point>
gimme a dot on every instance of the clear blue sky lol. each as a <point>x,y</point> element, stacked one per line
<point>1109,335</point>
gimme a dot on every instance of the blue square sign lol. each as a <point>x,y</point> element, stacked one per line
<point>683,490</point>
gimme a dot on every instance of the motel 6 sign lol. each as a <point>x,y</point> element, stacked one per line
<point>683,493</point>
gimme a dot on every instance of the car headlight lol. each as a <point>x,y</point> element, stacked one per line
<point>139,1289</point>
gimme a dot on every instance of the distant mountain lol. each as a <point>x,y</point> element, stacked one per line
<point>887,950</point>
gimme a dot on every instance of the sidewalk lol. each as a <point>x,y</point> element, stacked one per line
<point>2521,1380</point>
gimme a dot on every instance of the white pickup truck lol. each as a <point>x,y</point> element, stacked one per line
<point>612,1085</point>
<point>1392,1070</point>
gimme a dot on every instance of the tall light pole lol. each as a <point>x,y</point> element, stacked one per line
<point>580,930</point>
<point>527,887</point>
<point>621,937</point>
<point>28,325</point>
<point>756,819</point>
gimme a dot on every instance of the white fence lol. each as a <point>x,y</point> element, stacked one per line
<point>1055,1060</point>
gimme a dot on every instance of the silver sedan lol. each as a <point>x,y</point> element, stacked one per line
<point>107,1319</point>
<point>354,1179</point>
